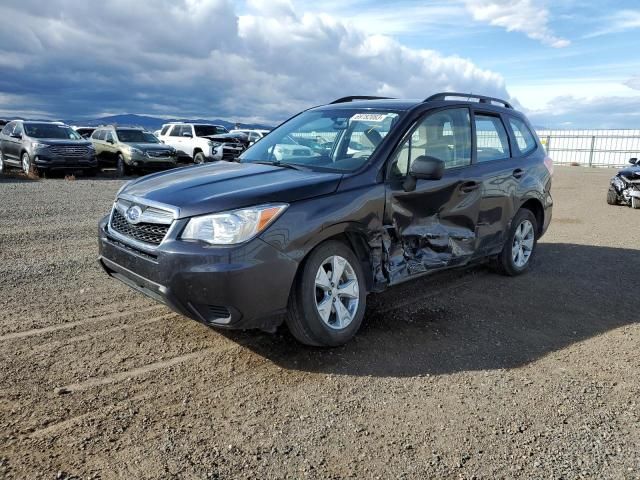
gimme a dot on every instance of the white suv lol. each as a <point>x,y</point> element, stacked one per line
<point>201,142</point>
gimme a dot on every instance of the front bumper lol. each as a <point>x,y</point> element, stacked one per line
<point>152,163</point>
<point>43,161</point>
<point>245,286</point>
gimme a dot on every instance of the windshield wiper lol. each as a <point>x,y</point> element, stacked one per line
<point>278,163</point>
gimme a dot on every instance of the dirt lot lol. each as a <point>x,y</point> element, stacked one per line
<point>463,375</point>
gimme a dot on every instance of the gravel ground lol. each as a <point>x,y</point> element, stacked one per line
<point>464,374</point>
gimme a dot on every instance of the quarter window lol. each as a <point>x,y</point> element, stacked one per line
<point>492,142</point>
<point>175,132</point>
<point>524,138</point>
<point>445,135</point>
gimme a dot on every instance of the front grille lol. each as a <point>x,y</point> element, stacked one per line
<point>69,151</point>
<point>231,151</point>
<point>151,233</point>
<point>158,153</point>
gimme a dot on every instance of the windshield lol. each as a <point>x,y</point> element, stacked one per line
<point>50,130</point>
<point>150,138</point>
<point>131,136</point>
<point>206,130</point>
<point>340,139</point>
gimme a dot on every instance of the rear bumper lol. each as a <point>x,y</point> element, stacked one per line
<point>240,287</point>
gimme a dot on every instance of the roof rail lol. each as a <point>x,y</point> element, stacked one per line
<point>480,98</point>
<point>358,97</point>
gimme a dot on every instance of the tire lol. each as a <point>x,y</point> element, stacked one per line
<point>612,197</point>
<point>122,169</point>
<point>303,316</point>
<point>3,166</point>
<point>27,166</point>
<point>199,158</point>
<point>523,235</point>
<point>635,202</point>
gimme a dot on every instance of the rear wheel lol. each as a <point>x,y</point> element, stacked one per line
<point>520,246</point>
<point>612,197</point>
<point>328,298</point>
<point>199,158</point>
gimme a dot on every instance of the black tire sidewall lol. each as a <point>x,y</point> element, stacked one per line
<point>198,158</point>
<point>507,258</point>
<point>317,329</point>
<point>121,166</point>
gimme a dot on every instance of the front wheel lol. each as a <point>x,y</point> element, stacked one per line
<point>520,246</point>
<point>328,298</point>
<point>27,167</point>
<point>199,158</point>
<point>122,169</point>
<point>2,165</point>
<point>612,196</point>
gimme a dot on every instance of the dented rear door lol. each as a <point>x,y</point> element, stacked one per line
<point>433,225</point>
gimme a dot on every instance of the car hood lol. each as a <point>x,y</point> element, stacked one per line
<point>150,146</point>
<point>228,137</point>
<point>632,173</point>
<point>61,141</point>
<point>220,186</point>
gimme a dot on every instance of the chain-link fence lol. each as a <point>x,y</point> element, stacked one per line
<point>594,148</point>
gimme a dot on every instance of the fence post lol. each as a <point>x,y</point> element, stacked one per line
<point>548,144</point>
<point>593,142</point>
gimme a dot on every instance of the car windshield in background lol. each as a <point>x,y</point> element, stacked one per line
<point>150,138</point>
<point>206,130</point>
<point>131,136</point>
<point>340,139</point>
<point>50,130</point>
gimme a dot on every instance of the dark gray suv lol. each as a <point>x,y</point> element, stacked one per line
<point>37,147</point>
<point>339,201</point>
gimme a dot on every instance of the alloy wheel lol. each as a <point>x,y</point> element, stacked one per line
<point>337,292</point>
<point>26,163</point>
<point>523,242</point>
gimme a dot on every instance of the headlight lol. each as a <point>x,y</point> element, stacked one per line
<point>229,228</point>
<point>214,144</point>
<point>136,151</point>
<point>38,146</point>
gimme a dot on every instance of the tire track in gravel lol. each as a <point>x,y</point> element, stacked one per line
<point>68,325</point>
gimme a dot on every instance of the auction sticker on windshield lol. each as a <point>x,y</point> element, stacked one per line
<point>369,117</point>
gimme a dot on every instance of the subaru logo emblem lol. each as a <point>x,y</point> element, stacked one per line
<point>133,214</point>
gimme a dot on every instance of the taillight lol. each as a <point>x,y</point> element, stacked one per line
<point>548,162</point>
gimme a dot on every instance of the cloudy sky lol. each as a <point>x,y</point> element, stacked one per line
<point>566,63</point>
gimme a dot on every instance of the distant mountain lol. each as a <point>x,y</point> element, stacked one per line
<point>155,123</point>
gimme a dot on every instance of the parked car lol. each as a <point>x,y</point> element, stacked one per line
<point>253,135</point>
<point>132,150</point>
<point>624,188</point>
<point>202,143</point>
<point>84,132</point>
<point>451,182</point>
<point>40,147</point>
<point>3,122</point>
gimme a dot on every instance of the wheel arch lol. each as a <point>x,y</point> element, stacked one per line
<point>196,151</point>
<point>534,205</point>
<point>354,236</point>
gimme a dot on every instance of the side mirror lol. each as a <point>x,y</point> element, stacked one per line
<point>633,161</point>
<point>427,168</point>
<point>111,141</point>
<point>187,135</point>
<point>16,135</point>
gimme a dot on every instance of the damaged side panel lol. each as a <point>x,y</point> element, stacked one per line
<point>429,228</point>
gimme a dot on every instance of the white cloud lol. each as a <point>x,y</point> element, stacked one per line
<point>524,16</point>
<point>200,58</point>
<point>621,21</point>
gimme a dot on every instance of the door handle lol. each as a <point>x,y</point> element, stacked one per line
<point>468,187</point>
<point>518,173</point>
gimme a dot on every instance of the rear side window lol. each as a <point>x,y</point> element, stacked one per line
<point>492,142</point>
<point>524,138</point>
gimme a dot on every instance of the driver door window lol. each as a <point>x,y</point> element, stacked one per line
<point>445,135</point>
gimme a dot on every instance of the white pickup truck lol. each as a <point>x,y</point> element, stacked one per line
<point>202,142</point>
